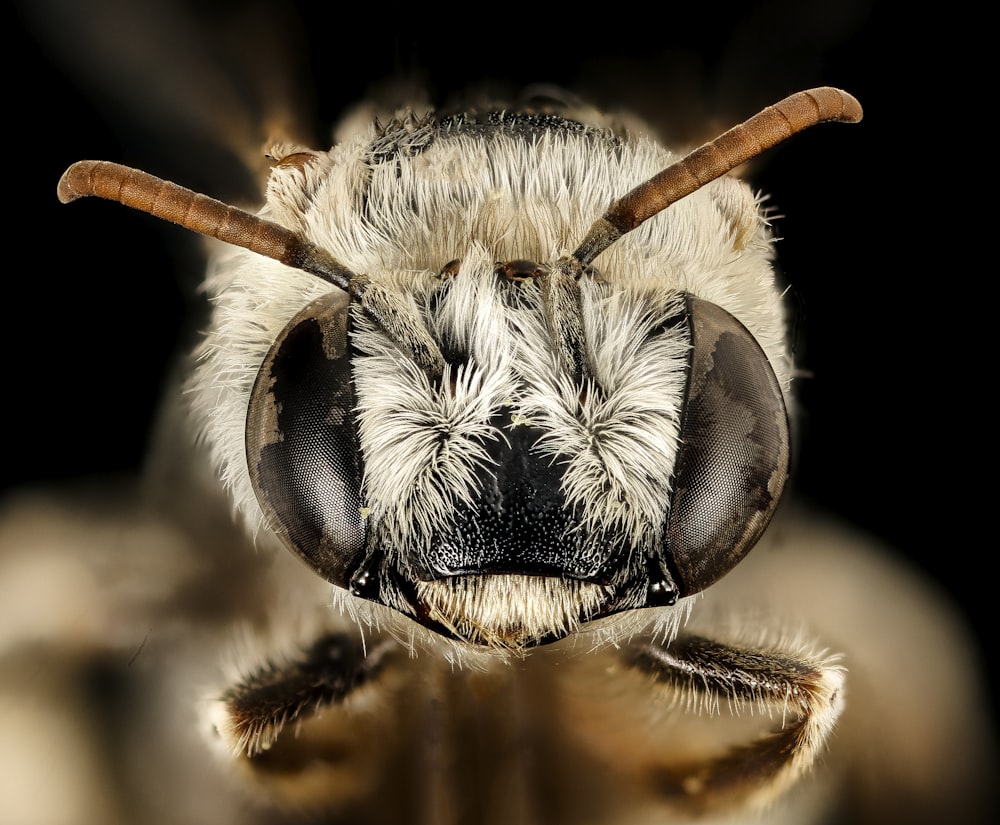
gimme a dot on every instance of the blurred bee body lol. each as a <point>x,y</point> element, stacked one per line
<point>120,712</point>
<point>533,617</point>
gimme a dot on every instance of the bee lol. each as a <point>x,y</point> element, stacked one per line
<point>501,400</point>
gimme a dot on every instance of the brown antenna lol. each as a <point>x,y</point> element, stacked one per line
<point>200,213</point>
<point>717,157</point>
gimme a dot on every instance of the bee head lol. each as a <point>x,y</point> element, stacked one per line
<point>503,451</point>
<point>512,496</point>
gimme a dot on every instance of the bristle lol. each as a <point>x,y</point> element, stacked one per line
<point>251,714</point>
<point>511,612</point>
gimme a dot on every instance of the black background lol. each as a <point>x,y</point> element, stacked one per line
<point>99,299</point>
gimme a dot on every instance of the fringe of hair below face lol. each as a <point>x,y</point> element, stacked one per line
<point>511,612</point>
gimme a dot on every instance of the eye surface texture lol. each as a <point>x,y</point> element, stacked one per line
<point>735,450</point>
<point>302,448</point>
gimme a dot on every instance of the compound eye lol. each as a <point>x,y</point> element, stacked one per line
<point>734,453</point>
<point>302,441</point>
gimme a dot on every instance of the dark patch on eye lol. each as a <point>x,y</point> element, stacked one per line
<point>303,449</point>
<point>734,454</point>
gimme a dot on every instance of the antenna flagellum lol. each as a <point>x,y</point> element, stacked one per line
<point>199,213</point>
<point>739,144</point>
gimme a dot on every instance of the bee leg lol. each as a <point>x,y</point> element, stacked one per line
<point>804,691</point>
<point>250,715</point>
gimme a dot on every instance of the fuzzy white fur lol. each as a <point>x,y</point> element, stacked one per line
<point>481,202</point>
